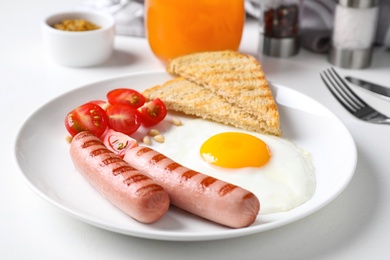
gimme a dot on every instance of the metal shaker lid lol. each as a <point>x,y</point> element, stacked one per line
<point>350,59</point>
<point>280,47</point>
<point>359,3</point>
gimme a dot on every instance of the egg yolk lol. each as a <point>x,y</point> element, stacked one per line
<point>235,150</point>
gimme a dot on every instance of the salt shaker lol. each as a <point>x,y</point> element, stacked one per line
<point>280,20</point>
<point>353,35</point>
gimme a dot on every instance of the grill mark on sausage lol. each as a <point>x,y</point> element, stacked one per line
<point>155,159</point>
<point>135,178</point>
<point>122,169</point>
<point>226,189</point>
<point>91,143</point>
<point>207,181</point>
<point>83,134</point>
<point>143,151</point>
<point>99,151</point>
<point>151,188</point>
<point>248,196</point>
<point>111,160</point>
<point>189,174</point>
<point>172,166</point>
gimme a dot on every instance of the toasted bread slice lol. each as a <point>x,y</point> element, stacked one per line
<point>238,78</point>
<point>182,95</point>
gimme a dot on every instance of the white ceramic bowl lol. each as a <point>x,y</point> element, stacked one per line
<point>79,49</point>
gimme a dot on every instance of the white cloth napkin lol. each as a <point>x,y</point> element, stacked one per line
<point>128,14</point>
<point>316,22</point>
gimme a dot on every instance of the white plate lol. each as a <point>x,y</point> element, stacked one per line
<point>43,157</point>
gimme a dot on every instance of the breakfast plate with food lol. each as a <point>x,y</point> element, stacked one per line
<point>208,149</point>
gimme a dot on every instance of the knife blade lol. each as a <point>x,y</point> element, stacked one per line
<point>381,90</point>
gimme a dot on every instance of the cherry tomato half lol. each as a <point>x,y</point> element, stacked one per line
<point>118,142</point>
<point>126,96</point>
<point>123,118</point>
<point>89,117</point>
<point>152,112</point>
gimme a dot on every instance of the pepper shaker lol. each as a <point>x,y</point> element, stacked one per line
<point>353,34</point>
<point>280,20</point>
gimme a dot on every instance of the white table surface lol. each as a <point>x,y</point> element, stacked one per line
<point>356,225</point>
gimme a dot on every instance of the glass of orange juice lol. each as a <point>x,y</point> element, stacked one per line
<point>178,27</point>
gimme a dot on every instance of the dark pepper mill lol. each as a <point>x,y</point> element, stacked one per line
<point>280,20</point>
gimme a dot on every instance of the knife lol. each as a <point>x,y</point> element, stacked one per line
<point>381,90</point>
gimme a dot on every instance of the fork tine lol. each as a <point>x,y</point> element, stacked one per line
<point>332,86</point>
<point>338,87</point>
<point>347,90</point>
<point>349,100</point>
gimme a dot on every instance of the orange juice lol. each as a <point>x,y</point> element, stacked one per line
<point>178,27</point>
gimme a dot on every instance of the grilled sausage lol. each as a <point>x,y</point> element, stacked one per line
<point>195,192</point>
<point>125,187</point>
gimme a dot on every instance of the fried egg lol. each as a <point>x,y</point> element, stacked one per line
<point>278,172</point>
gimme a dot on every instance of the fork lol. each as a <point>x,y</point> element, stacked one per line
<point>349,100</point>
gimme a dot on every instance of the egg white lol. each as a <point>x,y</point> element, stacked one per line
<point>285,182</point>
